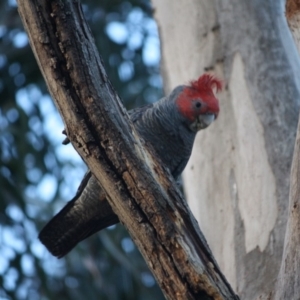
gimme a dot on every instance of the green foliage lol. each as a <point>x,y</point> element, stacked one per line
<point>38,175</point>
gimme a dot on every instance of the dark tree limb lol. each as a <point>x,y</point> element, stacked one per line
<point>139,189</point>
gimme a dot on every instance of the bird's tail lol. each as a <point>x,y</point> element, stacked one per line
<point>83,216</point>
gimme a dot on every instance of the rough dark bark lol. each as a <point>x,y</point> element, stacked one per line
<point>143,195</point>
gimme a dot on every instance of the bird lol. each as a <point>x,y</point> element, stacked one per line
<point>170,126</point>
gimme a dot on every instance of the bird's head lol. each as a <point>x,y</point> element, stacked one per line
<point>197,102</point>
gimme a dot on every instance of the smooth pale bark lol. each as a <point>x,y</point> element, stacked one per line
<point>237,181</point>
<point>288,284</point>
<point>138,188</point>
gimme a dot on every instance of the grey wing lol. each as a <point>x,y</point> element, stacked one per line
<point>137,113</point>
<point>87,213</point>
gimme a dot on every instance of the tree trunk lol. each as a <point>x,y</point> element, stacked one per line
<point>238,176</point>
<point>142,195</point>
<point>288,284</point>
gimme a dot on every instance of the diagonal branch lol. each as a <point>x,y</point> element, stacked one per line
<point>139,189</point>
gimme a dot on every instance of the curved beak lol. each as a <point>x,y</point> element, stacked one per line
<point>207,119</point>
<point>203,121</point>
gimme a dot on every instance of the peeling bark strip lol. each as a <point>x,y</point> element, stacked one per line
<point>154,212</point>
<point>292,13</point>
<point>292,8</point>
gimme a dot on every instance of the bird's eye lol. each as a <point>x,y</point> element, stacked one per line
<point>198,104</point>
